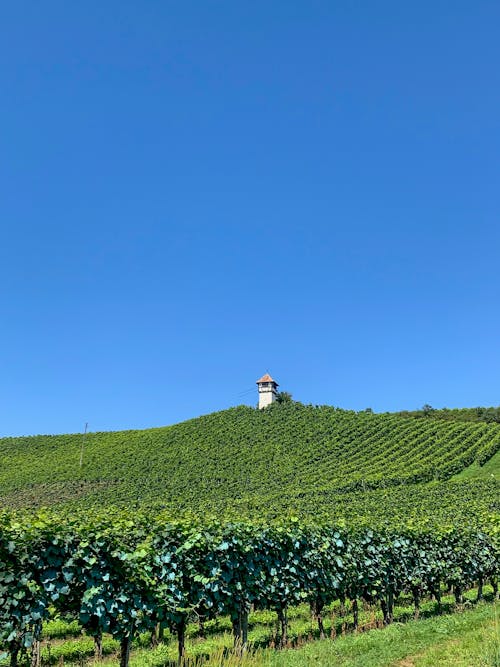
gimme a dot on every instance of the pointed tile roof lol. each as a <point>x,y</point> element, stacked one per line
<point>267,378</point>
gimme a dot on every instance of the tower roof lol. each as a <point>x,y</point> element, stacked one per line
<point>267,378</point>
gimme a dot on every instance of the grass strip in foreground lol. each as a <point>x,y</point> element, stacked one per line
<point>467,639</point>
<point>470,638</point>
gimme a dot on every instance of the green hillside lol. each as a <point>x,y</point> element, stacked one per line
<point>384,509</point>
<point>490,469</point>
<point>293,458</point>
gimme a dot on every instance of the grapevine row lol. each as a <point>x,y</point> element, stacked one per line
<point>240,452</point>
<point>123,577</point>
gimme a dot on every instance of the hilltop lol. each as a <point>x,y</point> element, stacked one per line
<point>319,461</point>
<point>381,508</point>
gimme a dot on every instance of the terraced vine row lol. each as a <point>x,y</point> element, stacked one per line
<point>237,454</point>
<point>123,577</point>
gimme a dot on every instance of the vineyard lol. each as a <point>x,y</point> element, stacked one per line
<point>239,459</point>
<point>124,577</point>
<point>274,510</point>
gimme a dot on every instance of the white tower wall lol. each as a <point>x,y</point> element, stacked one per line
<point>266,397</point>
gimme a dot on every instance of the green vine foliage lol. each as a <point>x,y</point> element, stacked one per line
<point>123,577</point>
<point>238,458</point>
<point>351,506</point>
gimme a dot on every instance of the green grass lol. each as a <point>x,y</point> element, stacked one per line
<point>468,639</point>
<point>490,470</point>
<point>404,638</point>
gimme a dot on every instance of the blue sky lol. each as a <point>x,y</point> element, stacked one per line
<point>195,193</point>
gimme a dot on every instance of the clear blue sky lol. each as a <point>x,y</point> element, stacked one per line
<point>195,193</point>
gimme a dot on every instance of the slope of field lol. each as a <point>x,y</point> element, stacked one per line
<point>287,457</point>
<point>408,506</point>
<point>466,639</point>
<point>489,470</point>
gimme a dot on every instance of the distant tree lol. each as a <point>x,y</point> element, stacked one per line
<point>368,410</point>
<point>427,410</point>
<point>284,397</point>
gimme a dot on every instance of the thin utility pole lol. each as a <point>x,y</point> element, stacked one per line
<point>83,443</point>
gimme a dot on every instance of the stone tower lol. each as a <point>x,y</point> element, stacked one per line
<point>268,390</point>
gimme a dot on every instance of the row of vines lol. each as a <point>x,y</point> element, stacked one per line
<point>209,462</point>
<point>124,577</point>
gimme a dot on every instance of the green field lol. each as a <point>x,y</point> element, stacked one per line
<point>388,510</point>
<point>490,470</point>
<point>291,459</point>
<point>466,639</point>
